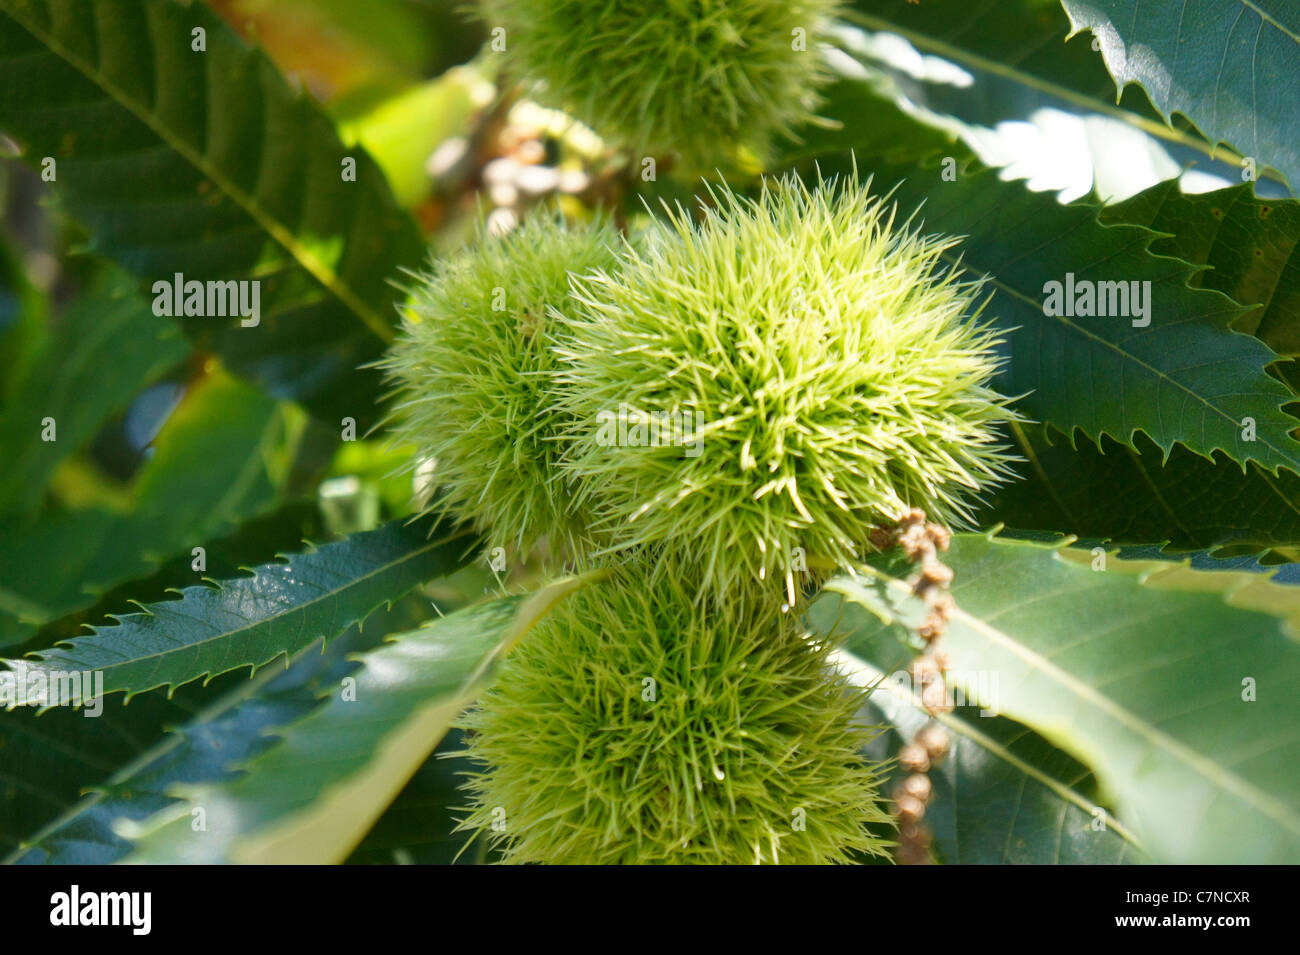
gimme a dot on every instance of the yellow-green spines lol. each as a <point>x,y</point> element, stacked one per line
<point>634,727</point>
<point>473,372</point>
<point>822,366</point>
<point>731,405</point>
<point>687,76</point>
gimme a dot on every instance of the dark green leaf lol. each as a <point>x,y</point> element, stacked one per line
<point>1127,496</point>
<point>1018,53</point>
<point>48,760</point>
<point>24,327</point>
<point>205,163</point>
<point>311,798</point>
<point>259,540</point>
<point>250,621</point>
<point>217,461</point>
<point>1251,245</point>
<point>417,829</point>
<point>1185,378</point>
<point>1227,65</point>
<point>202,748</point>
<point>107,346</point>
<point>860,114</point>
<point>1181,703</point>
<point>1004,795</point>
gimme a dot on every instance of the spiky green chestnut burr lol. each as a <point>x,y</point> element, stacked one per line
<point>684,76</point>
<point>472,370</point>
<point>813,367</point>
<point>635,727</point>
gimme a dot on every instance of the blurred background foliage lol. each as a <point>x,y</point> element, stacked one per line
<point>161,450</point>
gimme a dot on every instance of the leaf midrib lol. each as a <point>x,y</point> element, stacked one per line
<point>1199,764</point>
<point>1267,18</point>
<point>957,260</point>
<point>228,634</point>
<point>962,728</point>
<point>147,756</point>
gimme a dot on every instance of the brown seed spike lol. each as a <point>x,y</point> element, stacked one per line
<point>882,538</point>
<point>909,808</point>
<point>911,854</point>
<point>918,786</point>
<point>914,542</point>
<point>935,698</point>
<point>941,604</point>
<point>936,573</point>
<point>930,630</point>
<point>924,669</point>
<point>914,757</point>
<point>941,536</point>
<point>934,741</point>
<point>916,835</point>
